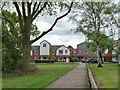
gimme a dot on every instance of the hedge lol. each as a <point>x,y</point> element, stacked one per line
<point>44,61</point>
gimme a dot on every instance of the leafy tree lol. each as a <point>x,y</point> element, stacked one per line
<point>113,11</point>
<point>51,53</point>
<point>11,51</point>
<point>93,20</point>
<point>104,44</point>
<point>11,42</point>
<point>28,13</point>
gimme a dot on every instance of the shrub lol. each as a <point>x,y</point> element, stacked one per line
<point>73,59</point>
<point>10,61</point>
<point>44,61</point>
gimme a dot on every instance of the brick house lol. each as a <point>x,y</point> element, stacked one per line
<point>35,53</point>
<point>46,51</point>
<point>82,51</point>
<point>45,47</point>
<point>63,54</point>
<point>54,48</point>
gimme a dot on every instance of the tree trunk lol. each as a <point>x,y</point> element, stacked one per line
<point>26,57</point>
<point>101,57</point>
<point>98,58</point>
<point>26,46</point>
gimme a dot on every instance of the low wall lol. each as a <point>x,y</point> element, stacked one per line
<point>91,79</point>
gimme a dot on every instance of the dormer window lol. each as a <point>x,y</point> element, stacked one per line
<point>66,51</point>
<point>44,44</point>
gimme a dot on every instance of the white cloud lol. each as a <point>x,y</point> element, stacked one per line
<point>42,26</point>
<point>72,40</point>
<point>61,33</point>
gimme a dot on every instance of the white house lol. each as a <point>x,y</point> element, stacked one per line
<point>63,54</point>
<point>45,49</point>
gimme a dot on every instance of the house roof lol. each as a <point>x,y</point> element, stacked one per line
<point>64,46</point>
<point>45,41</point>
<point>70,46</point>
<point>82,46</point>
<point>83,43</point>
<point>74,49</point>
<point>35,47</point>
<point>55,47</point>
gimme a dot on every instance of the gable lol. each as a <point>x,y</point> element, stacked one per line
<point>44,41</point>
<point>63,48</point>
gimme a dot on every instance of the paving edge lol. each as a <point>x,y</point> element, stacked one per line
<point>91,79</point>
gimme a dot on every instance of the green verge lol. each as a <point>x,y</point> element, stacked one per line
<point>119,76</point>
<point>46,75</point>
<point>107,75</point>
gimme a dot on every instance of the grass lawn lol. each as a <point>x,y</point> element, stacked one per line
<point>46,75</point>
<point>107,75</point>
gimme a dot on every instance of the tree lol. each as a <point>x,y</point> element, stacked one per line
<point>93,20</point>
<point>51,53</point>
<point>11,42</point>
<point>113,11</point>
<point>105,43</point>
<point>26,16</point>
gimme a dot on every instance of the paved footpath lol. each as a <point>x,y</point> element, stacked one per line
<point>76,78</point>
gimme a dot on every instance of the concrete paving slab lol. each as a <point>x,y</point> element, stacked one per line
<point>76,78</point>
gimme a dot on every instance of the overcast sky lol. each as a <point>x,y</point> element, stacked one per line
<point>61,33</point>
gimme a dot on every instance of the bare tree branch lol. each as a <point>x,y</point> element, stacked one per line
<point>51,28</point>
<point>34,6</point>
<point>17,8</point>
<point>3,4</point>
<point>23,10</point>
<point>19,15</point>
<point>29,9</point>
<point>35,10</point>
<point>36,14</point>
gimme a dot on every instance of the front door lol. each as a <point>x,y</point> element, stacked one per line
<point>64,59</point>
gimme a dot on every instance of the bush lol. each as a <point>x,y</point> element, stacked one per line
<point>10,61</point>
<point>44,61</point>
<point>73,59</point>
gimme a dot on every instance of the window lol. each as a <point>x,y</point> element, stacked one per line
<point>60,59</point>
<point>36,52</point>
<point>64,57</point>
<point>44,57</point>
<point>66,51</point>
<point>61,51</point>
<point>44,44</point>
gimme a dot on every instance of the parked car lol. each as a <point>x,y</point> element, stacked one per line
<point>83,60</point>
<point>114,60</point>
<point>92,60</point>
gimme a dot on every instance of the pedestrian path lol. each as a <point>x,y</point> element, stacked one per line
<point>76,78</point>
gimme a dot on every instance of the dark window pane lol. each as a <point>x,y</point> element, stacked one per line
<point>44,44</point>
<point>60,51</point>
